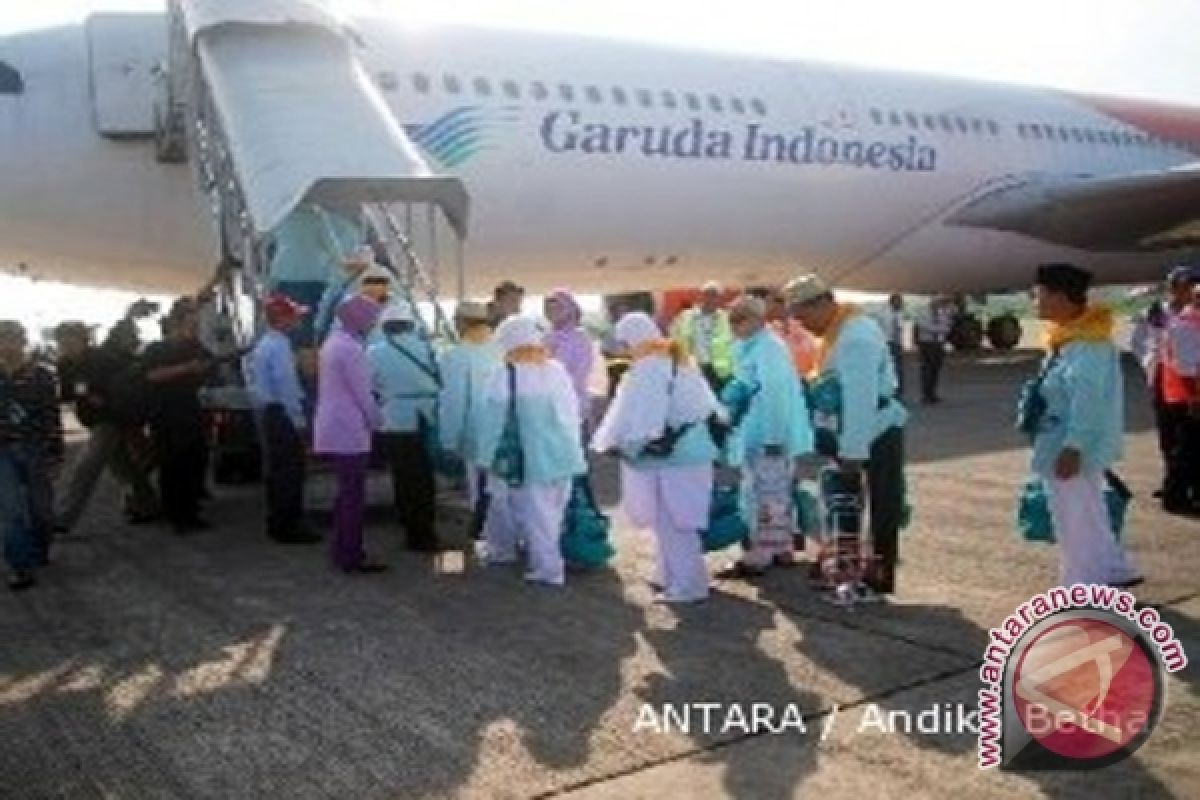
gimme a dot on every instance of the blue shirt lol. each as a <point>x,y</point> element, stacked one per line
<point>778,414</point>
<point>405,390</point>
<point>1084,396</point>
<point>863,366</point>
<point>466,372</point>
<point>272,376</point>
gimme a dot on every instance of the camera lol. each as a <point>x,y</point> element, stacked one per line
<point>143,308</point>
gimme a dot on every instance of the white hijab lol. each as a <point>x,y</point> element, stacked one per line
<point>548,378</point>
<point>654,394</point>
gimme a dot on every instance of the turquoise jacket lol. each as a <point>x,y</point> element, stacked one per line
<point>404,389</point>
<point>778,413</point>
<point>466,370</point>
<point>862,365</point>
<point>549,427</point>
<point>1084,396</point>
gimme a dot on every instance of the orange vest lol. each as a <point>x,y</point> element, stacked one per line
<point>801,343</point>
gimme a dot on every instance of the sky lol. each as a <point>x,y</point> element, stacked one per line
<point>1139,48</point>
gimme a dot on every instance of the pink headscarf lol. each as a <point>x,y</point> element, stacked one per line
<point>564,296</point>
<point>570,345</point>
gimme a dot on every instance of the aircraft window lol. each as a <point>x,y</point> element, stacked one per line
<point>1077,134</point>
<point>10,80</point>
<point>895,119</point>
<point>993,127</point>
<point>483,87</point>
<point>452,84</point>
<point>911,119</point>
<point>645,98</point>
<point>693,102</point>
<point>1090,135</point>
<point>539,90</point>
<point>946,124</point>
<point>1021,129</point>
<point>929,121</point>
<point>619,96</point>
<point>876,116</point>
<point>759,107</point>
<point>1102,137</point>
<point>737,105</point>
<point>593,94</point>
<point>962,125</point>
<point>421,82</point>
<point>714,103</point>
<point>668,99</point>
<point>1064,135</point>
<point>1130,139</point>
<point>511,89</point>
<point>566,92</point>
<point>976,126</point>
<point>1035,131</point>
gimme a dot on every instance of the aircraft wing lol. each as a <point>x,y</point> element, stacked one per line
<point>1137,211</point>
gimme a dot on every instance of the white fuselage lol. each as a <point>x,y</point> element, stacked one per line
<point>588,166</point>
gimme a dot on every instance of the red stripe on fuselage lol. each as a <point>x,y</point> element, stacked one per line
<point>1176,123</point>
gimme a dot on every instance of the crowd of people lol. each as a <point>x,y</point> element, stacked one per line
<point>771,387</point>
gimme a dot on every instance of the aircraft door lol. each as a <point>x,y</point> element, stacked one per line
<point>126,56</point>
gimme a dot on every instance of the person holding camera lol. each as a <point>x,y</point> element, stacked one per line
<point>657,425</point>
<point>772,429</point>
<point>175,370</point>
<point>530,445</point>
<point>31,451</point>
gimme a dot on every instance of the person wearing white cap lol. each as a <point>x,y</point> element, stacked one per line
<point>466,369</point>
<point>859,422</point>
<point>657,425</point>
<point>704,334</point>
<point>529,443</point>
<point>406,381</point>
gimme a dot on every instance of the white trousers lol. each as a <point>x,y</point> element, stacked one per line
<point>533,514</point>
<point>673,502</point>
<point>1088,552</point>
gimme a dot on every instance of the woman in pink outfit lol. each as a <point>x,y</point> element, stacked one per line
<point>570,345</point>
<point>347,416</point>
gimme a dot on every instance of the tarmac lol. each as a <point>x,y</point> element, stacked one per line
<point>220,665</point>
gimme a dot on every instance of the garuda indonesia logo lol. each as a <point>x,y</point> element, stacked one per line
<point>459,135</point>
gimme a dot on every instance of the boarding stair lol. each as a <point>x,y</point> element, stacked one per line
<point>271,105</point>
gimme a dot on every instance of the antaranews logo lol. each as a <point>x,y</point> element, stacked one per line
<point>461,133</point>
<point>1074,679</point>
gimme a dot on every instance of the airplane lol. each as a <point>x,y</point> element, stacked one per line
<point>611,166</point>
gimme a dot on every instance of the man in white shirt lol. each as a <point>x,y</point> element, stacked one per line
<point>891,319</point>
<point>930,329</point>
